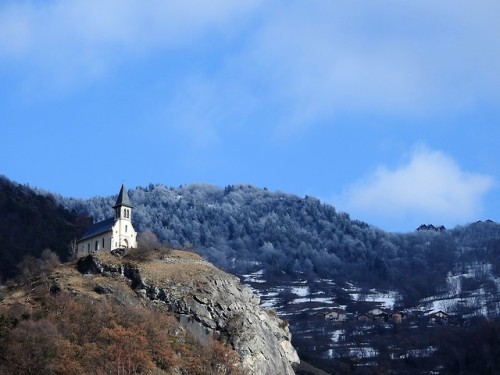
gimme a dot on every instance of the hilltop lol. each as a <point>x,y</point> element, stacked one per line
<point>119,308</point>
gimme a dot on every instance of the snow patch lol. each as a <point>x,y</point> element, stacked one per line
<point>301,291</point>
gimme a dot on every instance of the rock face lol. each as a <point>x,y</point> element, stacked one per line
<point>209,303</point>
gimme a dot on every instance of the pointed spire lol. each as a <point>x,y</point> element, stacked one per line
<point>122,199</point>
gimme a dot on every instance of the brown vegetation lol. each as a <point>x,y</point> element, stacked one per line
<point>43,332</point>
<point>149,248</point>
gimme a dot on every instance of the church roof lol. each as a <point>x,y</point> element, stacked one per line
<point>122,199</point>
<point>99,228</point>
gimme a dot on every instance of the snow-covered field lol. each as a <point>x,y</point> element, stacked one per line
<point>385,299</point>
<point>455,300</point>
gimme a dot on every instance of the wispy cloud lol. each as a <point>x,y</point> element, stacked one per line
<point>308,62</point>
<point>429,187</point>
<point>304,61</point>
<point>384,57</point>
<point>82,39</point>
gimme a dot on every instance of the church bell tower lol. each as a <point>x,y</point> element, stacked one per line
<point>124,234</point>
<point>123,208</point>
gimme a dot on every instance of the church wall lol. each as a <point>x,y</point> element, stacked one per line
<point>124,234</point>
<point>95,243</point>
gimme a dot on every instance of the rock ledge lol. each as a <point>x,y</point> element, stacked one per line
<point>208,302</point>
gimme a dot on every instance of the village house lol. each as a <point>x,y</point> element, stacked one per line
<point>439,317</point>
<point>376,311</point>
<point>398,317</point>
<point>382,317</point>
<point>364,317</point>
<point>112,233</point>
<point>320,315</point>
<point>336,315</point>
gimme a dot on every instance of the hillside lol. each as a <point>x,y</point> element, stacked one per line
<point>306,260</point>
<point>243,229</point>
<point>31,223</point>
<point>173,314</point>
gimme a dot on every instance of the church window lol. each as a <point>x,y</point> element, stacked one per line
<point>96,245</point>
<point>103,242</point>
<point>126,227</point>
<point>88,247</point>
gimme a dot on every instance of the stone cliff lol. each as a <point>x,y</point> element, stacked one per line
<point>207,301</point>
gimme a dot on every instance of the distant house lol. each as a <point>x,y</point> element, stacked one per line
<point>382,317</point>
<point>336,315</point>
<point>439,317</point>
<point>320,315</point>
<point>113,233</point>
<point>398,317</point>
<point>376,311</point>
<point>365,317</point>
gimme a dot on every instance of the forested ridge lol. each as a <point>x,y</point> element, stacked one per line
<point>32,222</point>
<point>242,228</point>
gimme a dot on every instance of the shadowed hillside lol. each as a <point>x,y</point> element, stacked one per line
<point>30,223</point>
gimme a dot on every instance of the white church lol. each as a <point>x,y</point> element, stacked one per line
<point>113,233</point>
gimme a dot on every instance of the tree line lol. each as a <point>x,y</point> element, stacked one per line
<point>241,228</point>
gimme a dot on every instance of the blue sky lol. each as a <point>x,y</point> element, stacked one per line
<point>388,110</point>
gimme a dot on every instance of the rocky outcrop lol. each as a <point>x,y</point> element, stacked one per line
<point>209,303</point>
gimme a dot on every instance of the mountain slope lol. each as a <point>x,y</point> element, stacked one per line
<point>129,296</point>
<point>304,258</point>
<point>30,223</point>
<point>244,229</point>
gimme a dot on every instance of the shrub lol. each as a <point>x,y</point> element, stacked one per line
<point>147,254</point>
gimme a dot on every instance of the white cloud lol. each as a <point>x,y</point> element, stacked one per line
<point>81,39</point>
<point>430,187</point>
<point>389,57</point>
<point>306,61</point>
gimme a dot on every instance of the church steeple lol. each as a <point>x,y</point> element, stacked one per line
<point>122,199</point>
<point>122,207</point>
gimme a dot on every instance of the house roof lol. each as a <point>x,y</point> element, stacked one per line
<point>98,228</point>
<point>122,199</point>
<point>439,313</point>
<point>364,315</point>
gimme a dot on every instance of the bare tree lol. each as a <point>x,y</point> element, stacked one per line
<point>73,249</point>
<point>149,247</point>
<point>147,240</point>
